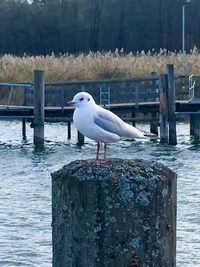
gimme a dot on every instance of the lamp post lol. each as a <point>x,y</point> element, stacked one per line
<point>183,24</point>
<point>184,60</point>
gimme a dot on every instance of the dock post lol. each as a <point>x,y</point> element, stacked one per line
<point>120,213</point>
<point>154,123</point>
<point>171,105</point>
<point>39,88</point>
<point>69,129</point>
<point>195,126</point>
<point>81,138</point>
<point>163,109</point>
<point>24,129</point>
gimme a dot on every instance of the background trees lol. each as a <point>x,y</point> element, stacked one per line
<point>73,26</point>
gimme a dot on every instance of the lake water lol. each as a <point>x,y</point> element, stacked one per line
<point>25,189</point>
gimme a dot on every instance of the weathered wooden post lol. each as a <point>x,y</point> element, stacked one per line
<point>24,129</point>
<point>69,129</point>
<point>81,138</point>
<point>171,105</point>
<point>195,126</point>
<point>121,213</point>
<point>163,109</point>
<point>39,88</point>
<point>154,123</point>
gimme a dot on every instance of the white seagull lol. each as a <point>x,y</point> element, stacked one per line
<point>100,124</point>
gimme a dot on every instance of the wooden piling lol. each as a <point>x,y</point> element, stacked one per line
<point>163,108</point>
<point>171,105</point>
<point>39,88</point>
<point>154,123</point>
<point>81,139</point>
<point>195,126</point>
<point>24,129</point>
<point>69,129</point>
<point>121,213</point>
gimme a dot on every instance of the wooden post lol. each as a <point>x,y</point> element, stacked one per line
<point>195,126</point>
<point>81,139</point>
<point>24,129</point>
<point>69,129</point>
<point>171,105</point>
<point>154,123</point>
<point>133,116</point>
<point>163,109</point>
<point>38,107</point>
<point>121,213</point>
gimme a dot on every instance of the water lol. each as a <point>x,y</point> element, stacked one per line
<point>25,189</point>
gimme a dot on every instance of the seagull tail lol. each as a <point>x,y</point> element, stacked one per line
<point>133,132</point>
<point>136,133</point>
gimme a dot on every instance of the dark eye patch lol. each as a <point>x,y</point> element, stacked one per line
<point>81,99</point>
<point>88,99</point>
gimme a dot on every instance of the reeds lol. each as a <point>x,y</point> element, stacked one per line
<point>96,65</point>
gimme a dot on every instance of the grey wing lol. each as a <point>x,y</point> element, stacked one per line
<point>109,122</point>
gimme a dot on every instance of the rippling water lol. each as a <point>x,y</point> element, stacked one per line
<point>25,189</point>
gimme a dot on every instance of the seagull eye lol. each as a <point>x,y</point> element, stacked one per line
<point>81,99</point>
<point>88,99</point>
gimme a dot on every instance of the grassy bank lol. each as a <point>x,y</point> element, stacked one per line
<point>95,65</point>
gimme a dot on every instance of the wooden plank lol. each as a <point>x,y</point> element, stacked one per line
<point>15,117</point>
<point>171,105</point>
<point>108,81</point>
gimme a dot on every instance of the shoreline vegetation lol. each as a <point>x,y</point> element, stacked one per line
<point>104,65</point>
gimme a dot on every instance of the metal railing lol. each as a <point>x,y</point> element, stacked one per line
<point>191,87</point>
<point>11,87</point>
<point>194,85</point>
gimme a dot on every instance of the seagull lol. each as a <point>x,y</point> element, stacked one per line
<point>99,124</point>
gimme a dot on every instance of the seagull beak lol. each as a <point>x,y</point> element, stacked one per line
<point>71,103</point>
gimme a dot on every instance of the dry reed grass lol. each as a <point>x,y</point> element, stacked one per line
<point>95,65</point>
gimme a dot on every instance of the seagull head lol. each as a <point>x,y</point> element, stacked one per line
<point>81,99</point>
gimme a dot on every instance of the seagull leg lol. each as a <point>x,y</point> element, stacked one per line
<point>98,146</point>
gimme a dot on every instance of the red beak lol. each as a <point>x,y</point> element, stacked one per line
<point>70,103</point>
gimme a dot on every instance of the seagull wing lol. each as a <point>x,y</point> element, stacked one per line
<point>109,122</point>
<point>113,124</point>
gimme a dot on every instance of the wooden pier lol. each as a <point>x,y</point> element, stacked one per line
<point>129,98</point>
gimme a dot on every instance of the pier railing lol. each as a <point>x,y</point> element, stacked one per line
<point>156,95</point>
<point>129,90</point>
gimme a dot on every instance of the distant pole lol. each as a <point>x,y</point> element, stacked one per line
<point>171,105</point>
<point>163,109</point>
<point>183,29</point>
<point>183,36</point>
<point>38,107</point>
